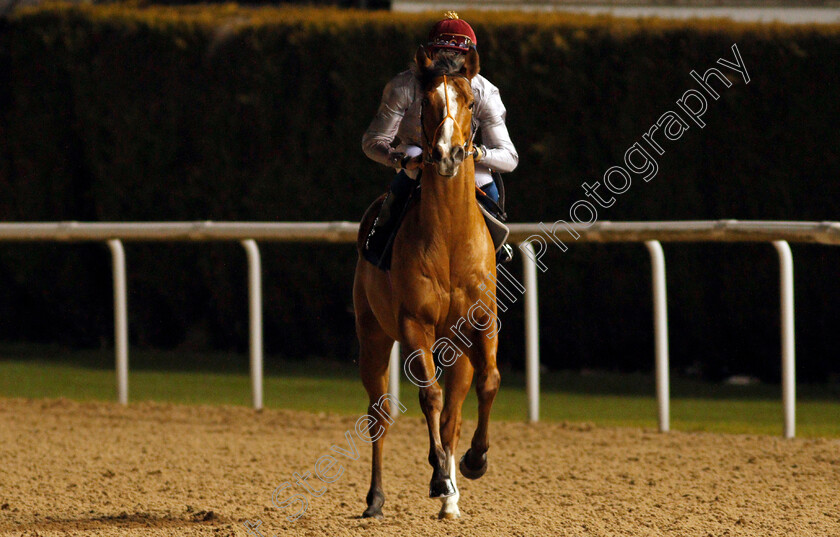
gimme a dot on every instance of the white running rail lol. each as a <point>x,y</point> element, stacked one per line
<point>650,233</point>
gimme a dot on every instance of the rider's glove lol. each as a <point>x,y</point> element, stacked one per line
<point>401,159</point>
<point>479,153</point>
<point>398,159</point>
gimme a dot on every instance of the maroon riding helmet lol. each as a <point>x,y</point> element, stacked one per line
<point>452,33</point>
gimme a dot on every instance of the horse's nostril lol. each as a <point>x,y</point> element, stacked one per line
<point>437,155</point>
<point>458,154</point>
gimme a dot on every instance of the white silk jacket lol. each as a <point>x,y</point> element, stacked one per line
<point>398,117</point>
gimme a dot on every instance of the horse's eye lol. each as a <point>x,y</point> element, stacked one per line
<point>472,104</point>
<point>425,101</point>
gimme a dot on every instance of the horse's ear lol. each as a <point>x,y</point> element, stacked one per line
<point>424,63</point>
<point>471,66</point>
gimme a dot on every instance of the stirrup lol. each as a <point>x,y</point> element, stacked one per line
<point>505,254</point>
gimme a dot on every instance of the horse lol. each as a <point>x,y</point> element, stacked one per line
<point>443,263</point>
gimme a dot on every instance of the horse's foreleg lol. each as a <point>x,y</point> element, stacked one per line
<point>474,462</point>
<point>373,365</point>
<point>458,380</point>
<point>421,365</point>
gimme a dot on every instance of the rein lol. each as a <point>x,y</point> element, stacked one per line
<point>429,143</point>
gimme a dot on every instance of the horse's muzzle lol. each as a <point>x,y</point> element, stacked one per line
<point>448,165</point>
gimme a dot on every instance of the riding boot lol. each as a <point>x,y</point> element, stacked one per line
<point>505,252</point>
<point>379,238</point>
<point>401,187</point>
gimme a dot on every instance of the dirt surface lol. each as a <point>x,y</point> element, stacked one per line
<point>70,468</point>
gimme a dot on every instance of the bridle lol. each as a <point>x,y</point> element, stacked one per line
<point>429,143</point>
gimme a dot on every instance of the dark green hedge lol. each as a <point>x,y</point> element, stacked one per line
<point>226,113</point>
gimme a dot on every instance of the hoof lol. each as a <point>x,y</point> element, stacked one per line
<point>441,488</point>
<point>372,512</point>
<point>448,516</point>
<point>375,500</point>
<point>472,473</point>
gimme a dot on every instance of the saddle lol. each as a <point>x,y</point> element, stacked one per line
<point>379,243</point>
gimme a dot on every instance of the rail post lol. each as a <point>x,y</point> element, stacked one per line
<point>394,369</point>
<point>660,324</point>
<point>532,333</point>
<point>255,321</point>
<point>120,318</point>
<point>788,337</point>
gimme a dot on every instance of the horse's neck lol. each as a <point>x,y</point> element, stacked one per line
<point>447,203</point>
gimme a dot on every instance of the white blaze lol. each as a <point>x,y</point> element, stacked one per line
<point>444,141</point>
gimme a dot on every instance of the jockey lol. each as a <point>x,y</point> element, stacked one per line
<point>398,117</point>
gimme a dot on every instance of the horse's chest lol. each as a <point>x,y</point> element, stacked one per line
<point>442,300</point>
<point>457,301</point>
<point>460,297</point>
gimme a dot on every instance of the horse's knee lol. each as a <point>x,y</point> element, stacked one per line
<point>450,424</point>
<point>377,425</point>
<point>450,417</point>
<point>445,419</point>
<point>431,397</point>
<point>488,383</point>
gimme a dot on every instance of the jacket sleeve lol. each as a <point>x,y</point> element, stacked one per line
<point>376,142</point>
<point>501,154</point>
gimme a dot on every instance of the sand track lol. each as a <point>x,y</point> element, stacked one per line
<point>70,468</point>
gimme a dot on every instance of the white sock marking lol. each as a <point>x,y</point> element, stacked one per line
<point>450,504</point>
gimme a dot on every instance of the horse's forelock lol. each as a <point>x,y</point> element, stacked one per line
<point>443,65</point>
<point>447,64</point>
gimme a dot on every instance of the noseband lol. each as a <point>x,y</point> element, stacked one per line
<point>429,143</point>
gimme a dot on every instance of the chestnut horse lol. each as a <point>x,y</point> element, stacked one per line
<point>443,263</point>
